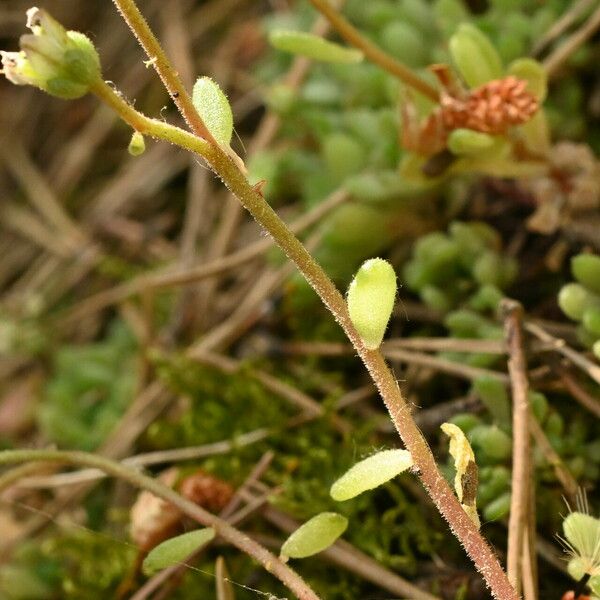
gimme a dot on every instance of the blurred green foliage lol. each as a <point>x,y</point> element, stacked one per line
<point>90,388</point>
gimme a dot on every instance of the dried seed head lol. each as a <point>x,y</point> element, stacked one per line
<point>153,519</point>
<point>206,490</point>
<point>491,108</point>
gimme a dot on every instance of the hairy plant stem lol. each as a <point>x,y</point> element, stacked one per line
<point>158,59</point>
<point>372,52</point>
<point>439,490</point>
<point>226,531</point>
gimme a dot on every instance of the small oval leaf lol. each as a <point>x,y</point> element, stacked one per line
<point>370,298</point>
<point>315,535</point>
<point>466,142</point>
<point>176,550</point>
<point>586,269</point>
<point>534,73</point>
<point>214,109</point>
<point>313,46</point>
<point>474,56</point>
<point>371,473</point>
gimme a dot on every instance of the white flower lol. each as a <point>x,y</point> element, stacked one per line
<point>60,62</point>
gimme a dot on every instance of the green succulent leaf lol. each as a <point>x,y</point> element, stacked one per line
<point>534,73</point>
<point>474,56</point>
<point>586,269</point>
<point>313,46</point>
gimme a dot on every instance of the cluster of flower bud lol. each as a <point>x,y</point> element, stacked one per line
<point>63,63</point>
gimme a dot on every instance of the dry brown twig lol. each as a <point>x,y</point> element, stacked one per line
<point>560,55</point>
<point>520,485</point>
<point>589,367</point>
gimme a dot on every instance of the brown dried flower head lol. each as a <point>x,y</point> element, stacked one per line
<point>491,108</point>
<point>153,519</point>
<point>206,490</point>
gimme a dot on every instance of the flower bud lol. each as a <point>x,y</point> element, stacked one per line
<point>370,299</point>
<point>137,145</point>
<point>62,63</point>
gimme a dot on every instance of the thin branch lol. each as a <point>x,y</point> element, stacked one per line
<point>592,403</point>
<point>143,460</point>
<point>572,43</point>
<point>158,59</point>
<point>517,368</point>
<point>175,571</point>
<point>438,488</point>
<point>564,476</point>
<point>235,537</point>
<point>395,353</point>
<point>162,280</point>
<point>558,345</point>
<point>372,52</point>
<point>562,24</point>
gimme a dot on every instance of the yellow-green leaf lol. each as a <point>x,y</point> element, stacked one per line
<point>466,142</point>
<point>371,297</point>
<point>313,46</point>
<point>371,473</point>
<point>475,56</point>
<point>315,535</point>
<point>176,550</point>
<point>214,109</point>
<point>466,478</point>
<point>533,73</point>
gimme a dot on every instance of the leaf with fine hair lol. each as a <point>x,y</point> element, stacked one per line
<point>370,299</point>
<point>214,109</point>
<point>371,473</point>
